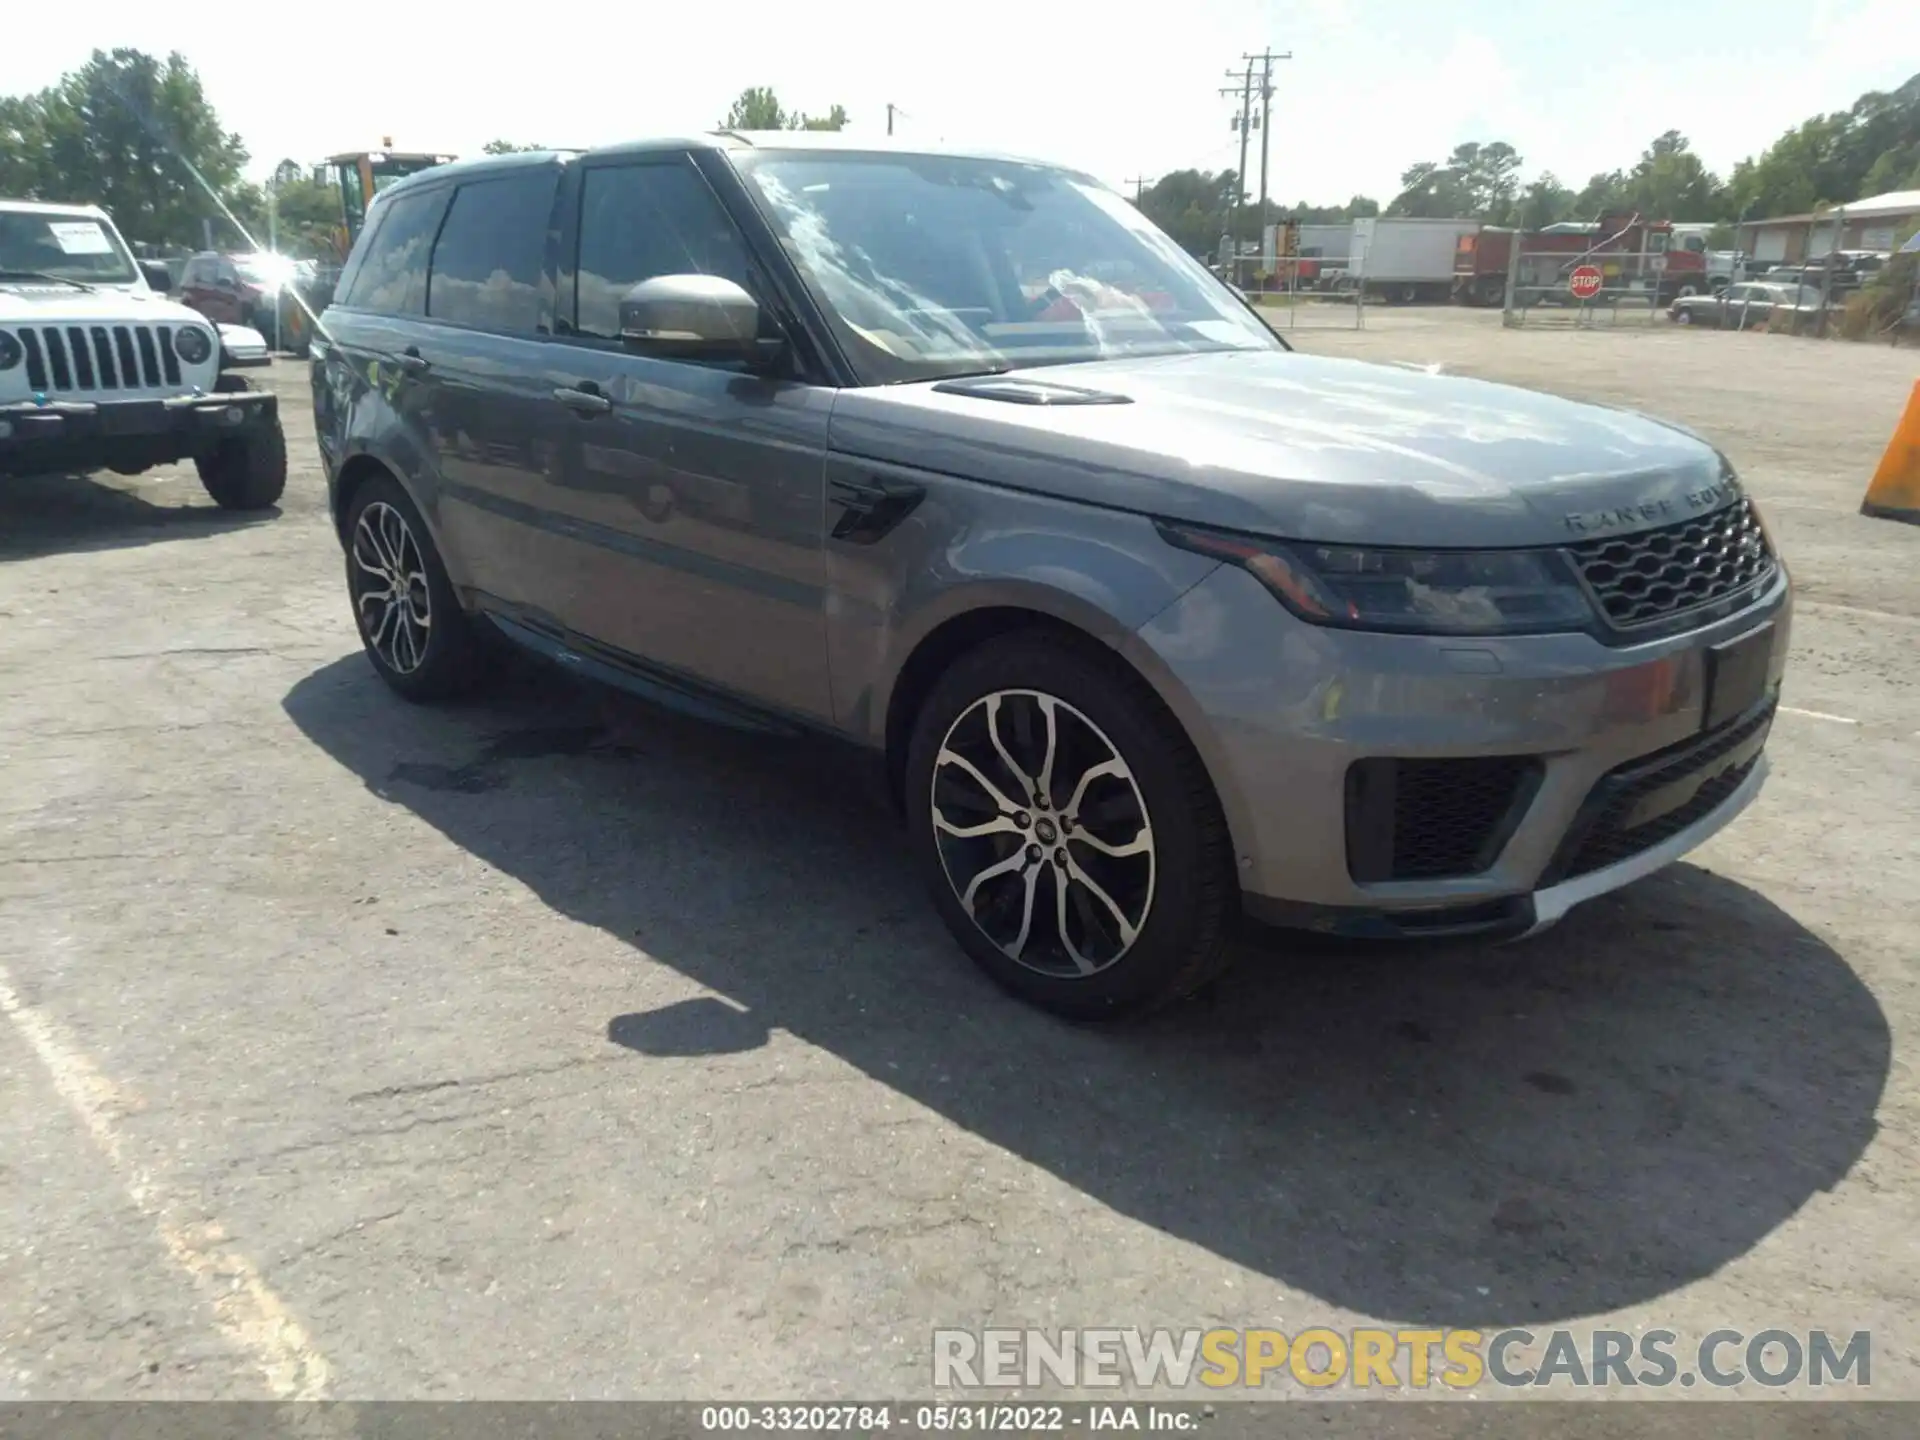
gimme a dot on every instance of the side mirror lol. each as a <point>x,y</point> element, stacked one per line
<point>158,277</point>
<point>227,282</point>
<point>691,317</point>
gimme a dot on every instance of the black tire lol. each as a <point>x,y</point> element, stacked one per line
<point>1192,895</point>
<point>249,470</point>
<point>453,654</point>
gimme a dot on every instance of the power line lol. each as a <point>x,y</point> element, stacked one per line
<point>1138,183</point>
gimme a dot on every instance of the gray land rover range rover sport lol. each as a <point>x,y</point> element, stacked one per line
<point>1153,620</point>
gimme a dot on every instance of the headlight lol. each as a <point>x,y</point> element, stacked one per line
<point>10,351</point>
<point>192,344</point>
<point>1423,592</point>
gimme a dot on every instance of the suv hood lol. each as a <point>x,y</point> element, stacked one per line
<point>31,303</point>
<point>1301,447</point>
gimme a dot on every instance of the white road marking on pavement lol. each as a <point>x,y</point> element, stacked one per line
<point>247,1310</point>
<point>1819,715</point>
<point>1862,610</point>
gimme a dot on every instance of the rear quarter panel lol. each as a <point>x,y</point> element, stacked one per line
<point>364,405</point>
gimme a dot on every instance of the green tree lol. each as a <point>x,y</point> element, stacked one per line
<point>1430,190</point>
<point>834,119</point>
<point>127,132</point>
<point>1672,183</point>
<point>1475,181</point>
<point>1604,192</point>
<point>306,212</point>
<point>758,108</point>
<point>1192,207</point>
<point>1545,201</point>
<point>23,144</point>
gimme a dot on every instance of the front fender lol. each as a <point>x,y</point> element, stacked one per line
<point>969,548</point>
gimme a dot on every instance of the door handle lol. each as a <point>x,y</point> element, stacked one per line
<point>586,399</point>
<point>413,362</point>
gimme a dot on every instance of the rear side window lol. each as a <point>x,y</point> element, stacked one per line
<point>491,252</point>
<point>642,221</point>
<point>393,278</point>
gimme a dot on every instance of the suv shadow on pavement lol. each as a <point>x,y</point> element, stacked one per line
<point>1479,1135</point>
<point>55,514</point>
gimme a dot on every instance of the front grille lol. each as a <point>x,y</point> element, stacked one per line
<point>1433,819</point>
<point>1606,833</point>
<point>64,359</point>
<point>1644,578</point>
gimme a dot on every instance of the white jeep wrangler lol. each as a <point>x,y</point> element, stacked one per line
<point>99,371</point>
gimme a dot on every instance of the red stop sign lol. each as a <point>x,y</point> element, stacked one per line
<point>1585,282</point>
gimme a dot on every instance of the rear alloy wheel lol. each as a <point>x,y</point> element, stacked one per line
<point>1068,831</point>
<point>415,633</point>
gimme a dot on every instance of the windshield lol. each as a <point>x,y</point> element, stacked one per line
<point>935,266</point>
<point>71,245</point>
<point>392,172</point>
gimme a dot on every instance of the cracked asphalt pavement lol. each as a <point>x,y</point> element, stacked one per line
<point>552,1046</point>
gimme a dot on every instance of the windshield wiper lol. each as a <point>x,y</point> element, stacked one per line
<point>6,275</point>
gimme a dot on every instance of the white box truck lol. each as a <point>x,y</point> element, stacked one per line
<point>1404,261</point>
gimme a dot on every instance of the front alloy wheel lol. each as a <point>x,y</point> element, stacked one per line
<point>1043,833</point>
<point>1067,830</point>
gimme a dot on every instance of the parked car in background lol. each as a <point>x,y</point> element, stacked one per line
<point>1743,307</point>
<point>100,372</point>
<point>254,289</point>
<point>1850,269</point>
<point>1148,621</point>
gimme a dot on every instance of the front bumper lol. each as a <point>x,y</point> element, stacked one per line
<point>1288,716</point>
<point>243,347</point>
<point>124,434</point>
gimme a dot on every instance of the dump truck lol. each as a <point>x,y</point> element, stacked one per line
<point>1634,254</point>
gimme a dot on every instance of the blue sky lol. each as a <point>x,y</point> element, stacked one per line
<point>1122,90</point>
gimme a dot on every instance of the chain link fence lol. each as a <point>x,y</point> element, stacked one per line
<point>1593,289</point>
<point>1308,293</point>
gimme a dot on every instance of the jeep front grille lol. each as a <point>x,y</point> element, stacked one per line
<point>1645,578</point>
<point>64,359</point>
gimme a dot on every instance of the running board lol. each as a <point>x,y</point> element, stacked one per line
<point>651,686</point>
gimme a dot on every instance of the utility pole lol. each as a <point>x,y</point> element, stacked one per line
<point>1240,175</point>
<point>1265,59</point>
<point>1138,183</point>
<point>889,117</point>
